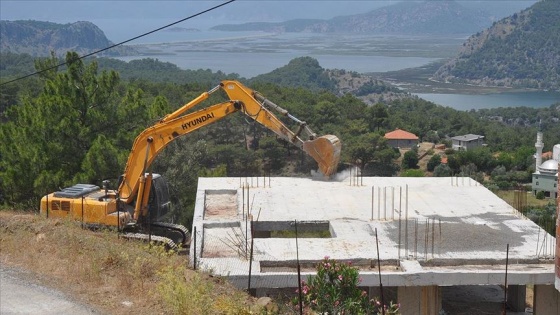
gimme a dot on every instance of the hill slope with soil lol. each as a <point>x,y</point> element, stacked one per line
<point>110,275</point>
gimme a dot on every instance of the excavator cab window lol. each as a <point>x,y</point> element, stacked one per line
<point>159,204</point>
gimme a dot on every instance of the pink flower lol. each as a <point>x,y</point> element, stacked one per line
<point>336,303</point>
<point>327,257</point>
<point>340,277</point>
<point>364,293</point>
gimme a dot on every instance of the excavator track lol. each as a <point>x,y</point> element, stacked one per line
<point>160,240</point>
<point>186,235</point>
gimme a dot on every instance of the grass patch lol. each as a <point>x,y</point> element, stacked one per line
<point>509,197</point>
<point>113,275</point>
<point>301,234</point>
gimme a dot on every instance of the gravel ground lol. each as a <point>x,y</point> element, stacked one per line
<point>20,294</point>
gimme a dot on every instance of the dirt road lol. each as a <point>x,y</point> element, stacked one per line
<point>21,295</point>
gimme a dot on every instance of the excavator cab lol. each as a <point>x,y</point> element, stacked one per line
<point>159,204</point>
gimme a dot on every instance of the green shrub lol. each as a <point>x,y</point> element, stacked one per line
<point>334,290</point>
<point>442,170</point>
<point>434,161</point>
<point>412,173</point>
<point>410,160</point>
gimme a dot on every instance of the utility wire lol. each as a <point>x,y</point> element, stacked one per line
<point>123,42</point>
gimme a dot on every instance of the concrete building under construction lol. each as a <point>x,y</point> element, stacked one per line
<point>434,235</point>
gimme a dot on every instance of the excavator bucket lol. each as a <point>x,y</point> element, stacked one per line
<point>326,151</point>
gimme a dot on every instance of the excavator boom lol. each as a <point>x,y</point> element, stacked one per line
<point>325,149</point>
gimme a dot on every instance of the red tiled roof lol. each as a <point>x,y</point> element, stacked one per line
<point>398,134</point>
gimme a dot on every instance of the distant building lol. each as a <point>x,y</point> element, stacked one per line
<point>401,139</point>
<point>545,177</point>
<point>467,142</point>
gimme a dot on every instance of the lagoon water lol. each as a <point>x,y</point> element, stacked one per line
<point>252,53</point>
<point>495,100</point>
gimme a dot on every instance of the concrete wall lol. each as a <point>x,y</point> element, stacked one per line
<point>546,183</point>
<point>467,145</point>
<point>402,143</point>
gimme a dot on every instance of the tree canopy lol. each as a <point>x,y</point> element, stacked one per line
<point>77,123</point>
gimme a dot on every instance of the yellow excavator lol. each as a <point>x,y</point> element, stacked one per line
<point>142,197</point>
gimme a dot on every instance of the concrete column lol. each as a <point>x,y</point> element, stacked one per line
<point>410,300</point>
<point>516,295</point>
<point>431,300</point>
<point>420,300</point>
<point>546,300</point>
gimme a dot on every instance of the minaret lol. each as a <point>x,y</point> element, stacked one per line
<point>538,145</point>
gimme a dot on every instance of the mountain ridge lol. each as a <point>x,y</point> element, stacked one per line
<point>522,50</point>
<point>428,17</point>
<point>39,38</point>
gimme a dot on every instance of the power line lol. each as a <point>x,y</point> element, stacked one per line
<point>123,42</point>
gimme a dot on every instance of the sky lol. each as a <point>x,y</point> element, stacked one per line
<point>242,10</point>
<point>238,10</point>
<point>114,17</point>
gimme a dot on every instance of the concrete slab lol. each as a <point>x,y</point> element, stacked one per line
<point>431,231</point>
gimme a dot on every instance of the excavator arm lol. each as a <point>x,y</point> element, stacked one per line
<point>136,185</point>
<point>325,149</point>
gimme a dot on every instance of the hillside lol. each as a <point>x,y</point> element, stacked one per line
<point>522,50</point>
<point>305,72</point>
<point>429,17</point>
<point>39,38</point>
<point>112,275</point>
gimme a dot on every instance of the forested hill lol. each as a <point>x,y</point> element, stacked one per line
<point>38,38</point>
<point>305,72</point>
<point>521,50</point>
<point>429,17</point>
